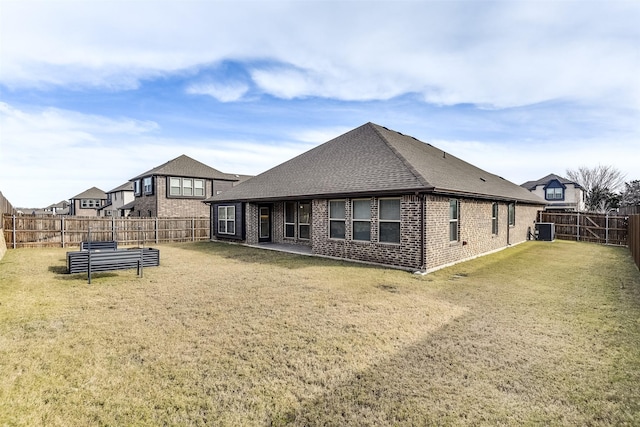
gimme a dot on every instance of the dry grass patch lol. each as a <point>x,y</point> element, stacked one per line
<point>229,335</point>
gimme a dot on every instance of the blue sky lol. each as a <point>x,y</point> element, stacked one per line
<point>93,93</point>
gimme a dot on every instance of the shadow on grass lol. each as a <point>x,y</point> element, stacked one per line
<point>251,255</point>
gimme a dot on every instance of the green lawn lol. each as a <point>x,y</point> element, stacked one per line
<point>538,334</point>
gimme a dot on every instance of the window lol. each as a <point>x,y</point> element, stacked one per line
<point>494,218</point>
<point>147,186</point>
<point>136,187</point>
<point>304,220</point>
<point>290,219</point>
<point>336,219</point>
<point>90,203</point>
<point>512,214</point>
<point>454,220</point>
<point>554,194</point>
<point>186,187</point>
<point>226,219</point>
<point>198,188</point>
<point>361,219</point>
<point>389,220</point>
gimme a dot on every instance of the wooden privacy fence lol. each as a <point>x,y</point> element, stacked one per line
<point>61,231</point>
<point>587,227</point>
<point>634,238</point>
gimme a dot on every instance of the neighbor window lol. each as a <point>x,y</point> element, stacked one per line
<point>512,214</point>
<point>136,187</point>
<point>454,220</point>
<point>226,220</point>
<point>555,193</point>
<point>186,187</point>
<point>361,219</point>
<point>147,186</point>
<point>336,219</point>
<point>90,203</point>
<point>494,218</point>
<point>389,220</point>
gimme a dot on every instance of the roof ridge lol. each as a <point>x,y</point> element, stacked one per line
<point>404,161</point>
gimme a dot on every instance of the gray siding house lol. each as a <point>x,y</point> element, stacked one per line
<point>378,196</point>
<point>560,193</point>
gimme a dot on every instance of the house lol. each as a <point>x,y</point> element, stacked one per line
<point>560,193</point>
<point>88,202</point>
<point>117,199</point>
<point>378,196</point>
<point>60,208</point>
<point>178,188</point>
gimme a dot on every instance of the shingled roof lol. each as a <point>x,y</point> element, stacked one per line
<point>373,160</point>
<point>92,193</point>
<point>531,185</point>
<point>185,166</point>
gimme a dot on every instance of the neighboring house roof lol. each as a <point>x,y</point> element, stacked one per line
<point>129,205</point>
<point>92,193</point>
<point>373,160</point>
<point>127,186</point>
<point>185,166</point>
<point>60,205</point>
<point>531,185</point>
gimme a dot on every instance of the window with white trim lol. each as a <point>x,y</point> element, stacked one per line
<point>90,203</point>
<point>226,220</point>
<point>337,219</point>
<point>186,187</point>
<point>494,218</point>
<point>454,220</point>
<point>136,187</point>
<point>389,220</point>
<point>554,194</point>
<point>361,219</point>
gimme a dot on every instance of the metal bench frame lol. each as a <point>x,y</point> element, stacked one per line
<point>93,261</point>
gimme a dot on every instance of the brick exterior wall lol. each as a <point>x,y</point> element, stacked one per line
<point>475,231</point>
<point>159,205</point>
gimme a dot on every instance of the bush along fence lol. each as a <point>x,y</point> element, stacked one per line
<point>588,227</point>
<point>60,231</point>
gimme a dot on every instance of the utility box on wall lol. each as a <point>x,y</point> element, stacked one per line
<point>545,231</point>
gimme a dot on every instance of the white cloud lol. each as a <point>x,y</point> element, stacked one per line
<point>51,155</point>
<point>494,53</point>
<point>223,92</point>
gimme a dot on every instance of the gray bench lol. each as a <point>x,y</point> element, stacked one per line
<point>99,245</point>
<point>109,260</point>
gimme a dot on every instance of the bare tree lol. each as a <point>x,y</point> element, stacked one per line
<point>600,185</point>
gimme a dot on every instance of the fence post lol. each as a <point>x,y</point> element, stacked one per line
<point>156,226</point>
<point>606,229</point>
<point>193,229</point>
<point>578,227</point>
<point>14,230</point>
<point>62,230</point>
<point>113,229</point>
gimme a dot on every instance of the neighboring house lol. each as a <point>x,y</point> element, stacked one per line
<point>116,199</point>
<point>60,208</point>
<point>376,195</point>
<point>178,188</point>
<point>560,193</point>
<point>88,202</point>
